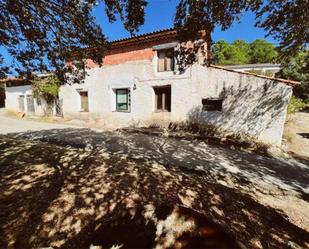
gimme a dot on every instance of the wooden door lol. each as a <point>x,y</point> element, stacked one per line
<point>30,104</point>
<point>21,103</point>
<point>84,101</point>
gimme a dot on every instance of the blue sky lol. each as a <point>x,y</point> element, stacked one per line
<point>160,14</point>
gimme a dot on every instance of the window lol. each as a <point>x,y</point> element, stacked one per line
<point>122,99</point>
<point>166,60</point>
<point>212,104</point>
<point>163,98</point>
<point>84,101</point>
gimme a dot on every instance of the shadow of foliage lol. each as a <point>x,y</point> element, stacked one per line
<point>246,110</point>
<point>64,188</point>
<point>212,134</point>
<point>186,228</point>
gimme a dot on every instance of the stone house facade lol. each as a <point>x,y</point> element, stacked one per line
<point>140,84</point>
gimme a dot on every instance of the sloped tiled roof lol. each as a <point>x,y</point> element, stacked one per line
<point>151,36</point>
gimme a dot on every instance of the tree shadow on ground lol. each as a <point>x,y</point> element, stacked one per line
<point>197,155</point>
<point>148,226</point>
<point>63,193</point>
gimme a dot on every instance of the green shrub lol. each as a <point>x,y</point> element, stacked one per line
<point>46,88</point>
<point>295,105</point>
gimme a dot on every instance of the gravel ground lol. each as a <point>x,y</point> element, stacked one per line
<point>60,185</point>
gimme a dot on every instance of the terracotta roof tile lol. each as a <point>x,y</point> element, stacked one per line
<point>151,36</point>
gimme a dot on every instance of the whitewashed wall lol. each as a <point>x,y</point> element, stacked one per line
<point>12,95</point>
<point>252,105</point>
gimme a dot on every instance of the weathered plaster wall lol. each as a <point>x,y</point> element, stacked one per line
<point>251,105</point>
<point>12,95</point>
<point>69,94</point>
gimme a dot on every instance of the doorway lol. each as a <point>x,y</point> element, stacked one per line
<point>21,103</point>
<point>30,104</point>
<point>84,101</point>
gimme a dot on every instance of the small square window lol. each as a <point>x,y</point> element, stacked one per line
<point>212,104</point>
<point>163,99</point>
<point>165,60</point>
<point>122,99</point>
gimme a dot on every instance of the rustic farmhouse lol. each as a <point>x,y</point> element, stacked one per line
<point>140,84</point>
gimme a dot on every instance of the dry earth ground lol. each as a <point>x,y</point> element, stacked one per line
<point>296,133</point>
<point>70,188</point>
<point>61,187</point>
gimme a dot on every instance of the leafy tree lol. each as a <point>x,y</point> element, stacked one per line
<point>262,51</point>
<point>41,34</point>
<point>240,52</point>
<point>231,54</point>
<point>219,51</point>
<point>284,20</point>
<point>46,88</point>
<point>297,68</point>
<point>242,49</point>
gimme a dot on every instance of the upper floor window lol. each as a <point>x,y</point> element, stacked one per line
<point>166,60</point>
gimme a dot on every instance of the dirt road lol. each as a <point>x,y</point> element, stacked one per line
<point>59,186</point>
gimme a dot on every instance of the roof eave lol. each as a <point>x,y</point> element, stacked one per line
<point>285,81</point>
